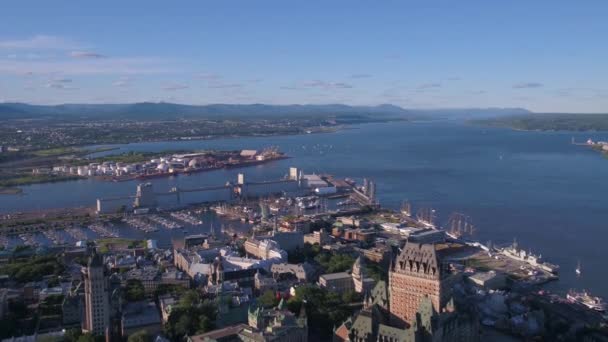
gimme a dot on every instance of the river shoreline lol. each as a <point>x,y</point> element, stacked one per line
<point>11,191</point>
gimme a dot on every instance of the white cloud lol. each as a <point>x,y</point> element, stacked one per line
<point>38,42</point>
<point>327,85</point>
<point>122,82</point>
<point>524,85</point>
<point>59,85</point>
<point>225,85</point>
<point>176,86</point>
<point>97,66</point>
<point>62,80</point>
<point>208,76</point>
<point>318,84</point>
<point>86,54</point>
<point>428,85</point>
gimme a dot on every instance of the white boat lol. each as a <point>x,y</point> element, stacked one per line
<point>578,269</point>
<point>584,298</point>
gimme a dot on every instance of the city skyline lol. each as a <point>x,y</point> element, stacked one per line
<point>545,56</point>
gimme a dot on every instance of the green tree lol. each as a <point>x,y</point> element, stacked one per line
<point>184,325</point>
<point>72,335</point>
<point>350,296</point>
<point>306,253</point>
<point>325,309</point>
<point>88,337</point>
<point>190,316</point>
<point>189,299</point>
<point>375,271</point>
<point>173,289</point>
<point>140,336</point>
<point>332,263</point>
<point>135,290</point>
<point>268,299</point>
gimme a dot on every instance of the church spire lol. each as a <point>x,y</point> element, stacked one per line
<point>303,318</point>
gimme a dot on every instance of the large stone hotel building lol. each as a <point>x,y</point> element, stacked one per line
<point>418,272</point>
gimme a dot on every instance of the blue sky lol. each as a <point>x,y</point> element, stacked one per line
<point>541,55</point>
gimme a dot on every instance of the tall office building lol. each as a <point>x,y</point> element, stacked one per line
<point>96,299</point>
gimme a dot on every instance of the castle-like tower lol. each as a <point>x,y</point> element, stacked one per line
<point>418,272</point>
<point>216,275</point>
<point>96,299</point>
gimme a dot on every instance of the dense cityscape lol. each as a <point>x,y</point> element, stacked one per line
<point>306,257</point>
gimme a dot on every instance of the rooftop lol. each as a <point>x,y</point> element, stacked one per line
<point>140,314</point>
<point>334,276</point>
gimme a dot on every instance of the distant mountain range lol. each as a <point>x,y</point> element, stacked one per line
<point>159,111</point>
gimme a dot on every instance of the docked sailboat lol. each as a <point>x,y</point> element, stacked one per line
<point>406,209</point>
<point>426,216</point>
<point>460,225</point>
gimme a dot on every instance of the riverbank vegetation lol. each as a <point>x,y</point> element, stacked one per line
<point>550,122</point>
<point>14,180</point>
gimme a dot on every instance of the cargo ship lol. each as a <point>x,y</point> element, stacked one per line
<point>514,252</point>
<point>254,162</point>
<point>155,175</point>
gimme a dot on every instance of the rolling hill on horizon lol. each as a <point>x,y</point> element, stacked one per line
<point>166,111</point>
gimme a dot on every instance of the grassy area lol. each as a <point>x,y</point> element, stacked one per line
<point>13,180</point>
<point>56,151</point>
<point>105,245</point>
<point>480,264</point>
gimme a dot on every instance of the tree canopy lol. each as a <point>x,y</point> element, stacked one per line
<point>134,290</point>
<point>325,309</point>
<point>191,315</point>
<point>140,336</point>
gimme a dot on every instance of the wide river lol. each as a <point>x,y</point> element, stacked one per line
<point>533,186</point>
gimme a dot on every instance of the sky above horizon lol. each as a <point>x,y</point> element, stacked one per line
<point>546,56</point>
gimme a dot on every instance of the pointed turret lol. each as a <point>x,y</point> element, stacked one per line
<point>281,305</point>
<point>303,318</point>
<point>358,266</point>
<point>449,306</point>
<point>367,302</point>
